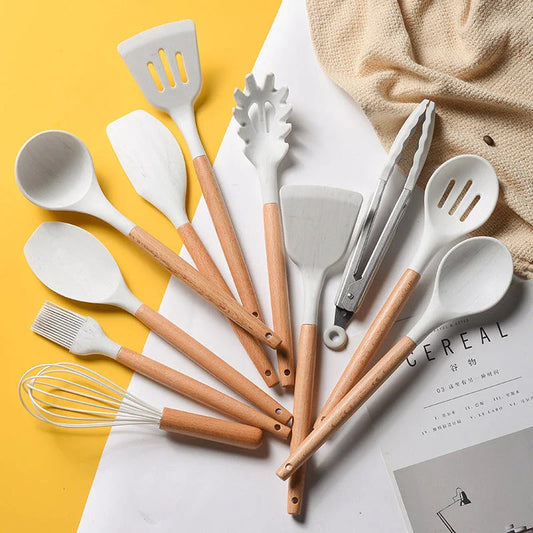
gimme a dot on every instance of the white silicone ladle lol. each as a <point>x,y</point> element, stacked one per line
<point>460,196</point>
<point>472,277</point>
<point>75,264</point>
<point>54,170</point>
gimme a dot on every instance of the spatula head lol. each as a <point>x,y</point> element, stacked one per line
<point>153,57</point>
<point>318,223</point>
<point>73,263</point>
<point>153,162</point>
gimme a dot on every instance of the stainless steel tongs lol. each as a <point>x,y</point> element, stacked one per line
<point>357,275</point>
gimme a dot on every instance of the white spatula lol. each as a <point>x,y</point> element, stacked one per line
<point>318,223</point>
<point>153,162</point>
<point>152,57</point>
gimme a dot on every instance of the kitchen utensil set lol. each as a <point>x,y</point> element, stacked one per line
<point>153,162</point>
<point>54,170</point>
<point>472,277</point>
<point>460,196</point>
<point>82,335</point>
<point>75,264</point>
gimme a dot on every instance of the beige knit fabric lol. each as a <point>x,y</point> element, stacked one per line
<point>474,59</point>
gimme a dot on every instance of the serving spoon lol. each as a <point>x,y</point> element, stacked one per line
<point>472,277</point>
<point>54,170</point>
<point>75,264</point>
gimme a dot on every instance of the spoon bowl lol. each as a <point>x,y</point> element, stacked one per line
<point>474,275</point>
<point>54,170</point>
<point>75,264</point>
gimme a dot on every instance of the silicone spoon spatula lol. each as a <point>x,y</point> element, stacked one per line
<point>153,58</point>
<point>318,224</point>
<point>262,116</point>
<point>153,162</point>
<point>75,264</point>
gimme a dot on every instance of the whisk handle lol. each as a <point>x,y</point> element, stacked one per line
<point>212,429</point>
<point>200,392</point>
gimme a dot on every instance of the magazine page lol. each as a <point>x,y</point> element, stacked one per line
<point>455,422</point>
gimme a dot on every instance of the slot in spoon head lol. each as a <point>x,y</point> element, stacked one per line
<point>460,196</point>
<point>54,170</point>
<point>75,264</point>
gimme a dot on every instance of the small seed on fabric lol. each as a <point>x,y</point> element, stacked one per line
<point>489,140</point>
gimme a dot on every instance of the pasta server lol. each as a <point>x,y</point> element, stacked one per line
<point>262,113</point>
<point>358,275</point>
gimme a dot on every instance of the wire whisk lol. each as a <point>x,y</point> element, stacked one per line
<point>72,396</point>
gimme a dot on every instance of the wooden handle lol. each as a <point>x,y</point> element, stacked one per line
<point>203,286</point>
<point>226,234</point>
<point>212,429</point>
<point>199,392</point>
<point>372,340</point>
<point>279,291</point>
<point>357,396</point>
<point>303,403</point>
<point>214,365</point>
<point>208,268</point>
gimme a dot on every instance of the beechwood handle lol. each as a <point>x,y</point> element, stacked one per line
<point>212,429</point>
<point>198,391</point>
<point>303,403</point>
<point>203,286</point>
<point>208,268</point>
<point>279,291</point>
<point>226,234</point>
<point>372,340</point>
<point>216,366</point>
<point>355,398</point>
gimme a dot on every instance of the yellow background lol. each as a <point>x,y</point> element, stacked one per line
<point>60,70</point>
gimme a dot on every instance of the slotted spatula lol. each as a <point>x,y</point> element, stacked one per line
<point>152,57</point>
<point>318,224</point>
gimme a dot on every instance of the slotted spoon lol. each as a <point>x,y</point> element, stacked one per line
<point>154,49</point>
<point>318,224</point>
<point>460,196</point>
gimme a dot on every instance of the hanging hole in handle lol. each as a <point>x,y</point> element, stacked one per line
<point>255,313</point>
<point>287,372</point>
<point>268,335</point>
<point>277,427</point>
<point>268,373</point>
<point>278,411</point>
<point>294,500</point>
